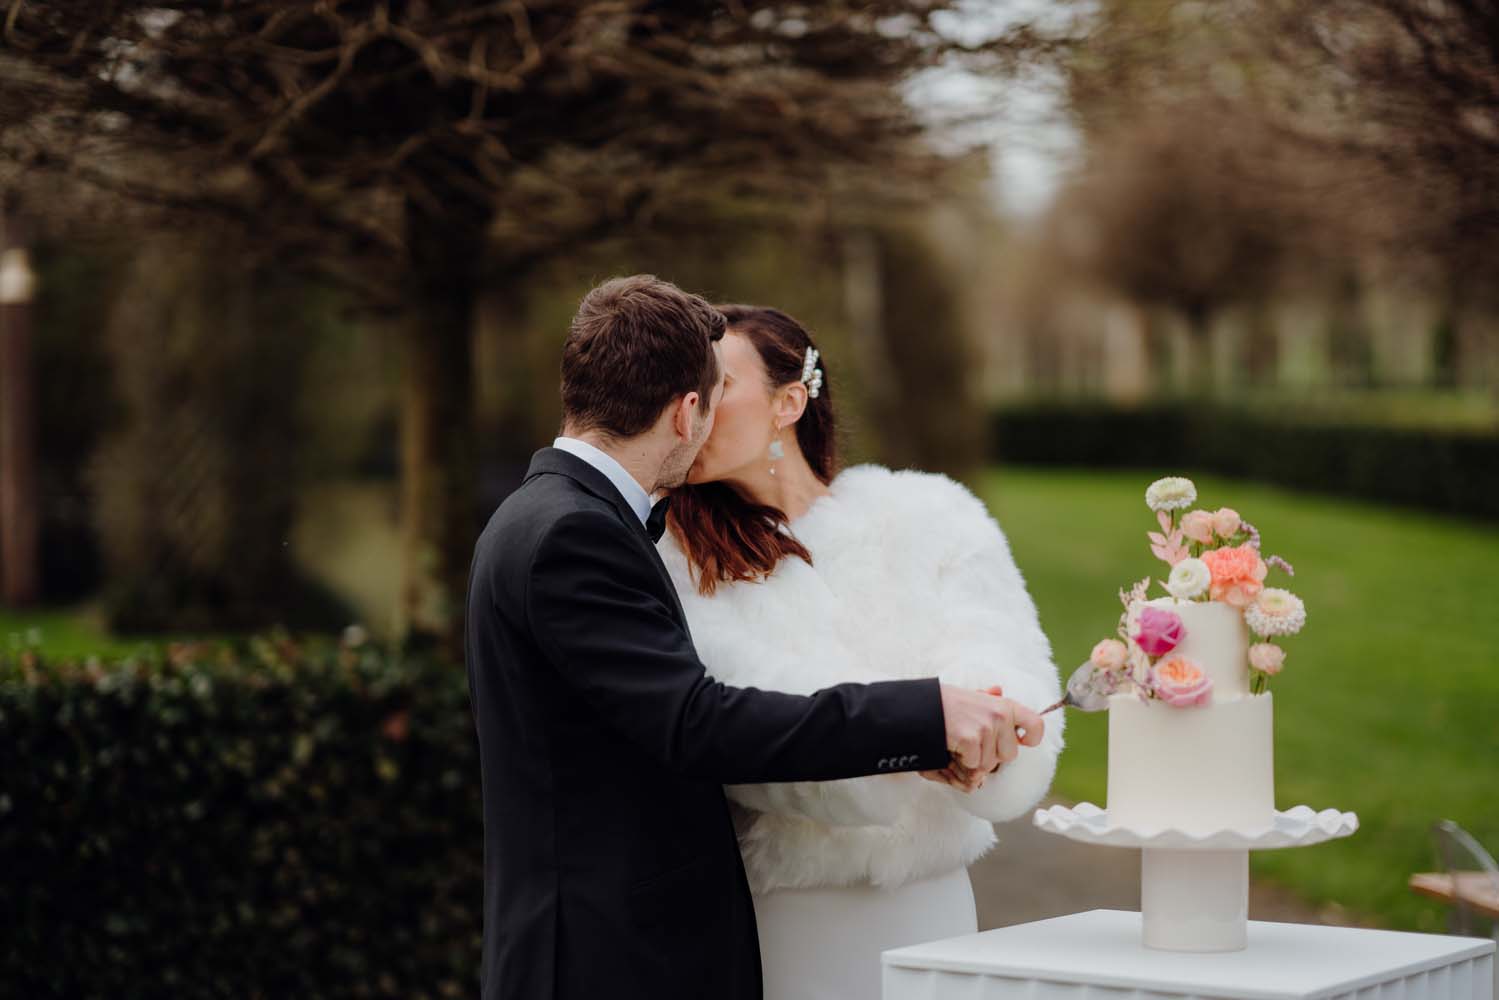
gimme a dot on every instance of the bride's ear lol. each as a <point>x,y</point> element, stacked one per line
<point>791,403</point>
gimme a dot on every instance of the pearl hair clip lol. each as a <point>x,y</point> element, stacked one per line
<point>812,375</point>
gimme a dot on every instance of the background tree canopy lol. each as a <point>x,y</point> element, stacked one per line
<point>419,152</point>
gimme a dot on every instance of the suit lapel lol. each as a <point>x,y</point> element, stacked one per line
<point>563,463</point>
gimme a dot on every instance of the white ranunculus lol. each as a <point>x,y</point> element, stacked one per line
<point>1189,578</point>
<point>1171,493</point>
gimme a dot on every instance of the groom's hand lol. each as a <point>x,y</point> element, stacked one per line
<point>984,732</point>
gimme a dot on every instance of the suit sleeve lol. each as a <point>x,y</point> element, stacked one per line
<point>595,606</point>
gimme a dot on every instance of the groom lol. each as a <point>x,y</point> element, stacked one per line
<point>611,868</point>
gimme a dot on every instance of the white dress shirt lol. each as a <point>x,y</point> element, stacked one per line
<point>629,487</point>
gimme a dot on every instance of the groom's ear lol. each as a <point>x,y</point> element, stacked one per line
<point>684,415</point>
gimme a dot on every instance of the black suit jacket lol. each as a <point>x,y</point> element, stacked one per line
<point>611,867</point>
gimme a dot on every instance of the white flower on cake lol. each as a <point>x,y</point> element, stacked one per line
<point>1189,578</point>
<point>1275,612</point>
<point>1171,493</point>
<point>1139,668</point>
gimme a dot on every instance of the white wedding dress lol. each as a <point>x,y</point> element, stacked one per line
<point>825,943</point>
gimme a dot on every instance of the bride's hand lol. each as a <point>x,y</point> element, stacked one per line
<point>957,774</point>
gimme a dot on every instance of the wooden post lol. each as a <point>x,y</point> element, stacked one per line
<point>19,512</point>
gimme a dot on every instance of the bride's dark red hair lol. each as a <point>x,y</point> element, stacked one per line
<point>726,537</point>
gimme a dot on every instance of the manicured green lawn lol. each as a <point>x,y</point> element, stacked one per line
<point>1389,703</point>
<point>68,633</point>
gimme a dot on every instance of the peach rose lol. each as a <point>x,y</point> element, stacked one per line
<point>1198,526</point>
<point>1226,521</point>
<point>1108,654</point>
<point>1180,682</point>
<point>1267,656</point>
<point>1238,574</point>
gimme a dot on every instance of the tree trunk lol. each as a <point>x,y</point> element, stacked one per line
<point>1349,343</point>
<point>1155,347</point>
<point>1195,374</point>
<point>20,514</point>
<point>1262,345</point>
<point>864,303</point>
<point>438,476</point>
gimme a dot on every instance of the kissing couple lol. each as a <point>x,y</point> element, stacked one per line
<point>737,741</point>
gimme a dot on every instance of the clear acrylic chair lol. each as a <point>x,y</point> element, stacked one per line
<point>1460,854</point>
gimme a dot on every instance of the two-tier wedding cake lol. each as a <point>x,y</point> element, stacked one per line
<point>1190,719</point>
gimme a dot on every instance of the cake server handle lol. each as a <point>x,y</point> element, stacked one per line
<point>1056,705</point>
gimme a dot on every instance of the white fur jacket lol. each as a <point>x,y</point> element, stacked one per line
<point>911,577</point>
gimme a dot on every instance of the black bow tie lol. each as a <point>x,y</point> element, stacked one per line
<point>655,525</point>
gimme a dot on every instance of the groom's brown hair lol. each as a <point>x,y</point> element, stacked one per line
<point>635,345</point>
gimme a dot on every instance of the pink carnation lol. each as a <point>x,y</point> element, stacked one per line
<point>1160,631</point>
<point>1238,574</point>
<point>1181,683</point>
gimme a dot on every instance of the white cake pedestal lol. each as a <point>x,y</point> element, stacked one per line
<point>1194,888</point>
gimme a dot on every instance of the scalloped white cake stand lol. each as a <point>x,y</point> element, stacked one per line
<point>1194,888</point>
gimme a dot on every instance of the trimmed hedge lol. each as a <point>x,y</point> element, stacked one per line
<point>1453,472</point>
<point>266,820</point>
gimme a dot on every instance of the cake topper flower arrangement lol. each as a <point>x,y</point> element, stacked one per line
<point>1213,556</point>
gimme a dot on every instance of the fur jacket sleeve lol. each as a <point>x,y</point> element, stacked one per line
<point>910,577</point>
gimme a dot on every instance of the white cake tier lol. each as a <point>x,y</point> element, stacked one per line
<point>1216,639</point>
<point>1198,769</point>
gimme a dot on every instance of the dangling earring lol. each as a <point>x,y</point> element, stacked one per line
<point>777,451</point>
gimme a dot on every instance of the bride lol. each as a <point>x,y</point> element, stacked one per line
<point>796,576</point>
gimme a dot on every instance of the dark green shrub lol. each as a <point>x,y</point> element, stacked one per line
<point>1450,471</point>
<point>265,820</point>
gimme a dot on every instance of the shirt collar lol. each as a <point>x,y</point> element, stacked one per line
<point>629,488</point>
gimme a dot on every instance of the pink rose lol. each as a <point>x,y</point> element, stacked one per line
<point>1160,631</point>
<point>1226,521</point>
<point>1180,683</point>
<point>1108,654</point>
<point>1267,656</point>
<point>1198,526</point>
<point>1238,574</point>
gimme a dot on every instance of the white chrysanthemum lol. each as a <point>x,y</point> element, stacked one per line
<point>1189,578</point>
<point>1171,493</point>
<point>1275,612</point>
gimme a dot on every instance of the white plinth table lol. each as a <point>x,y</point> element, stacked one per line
<point>1100,954</point>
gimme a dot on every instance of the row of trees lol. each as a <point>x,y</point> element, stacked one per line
<point>423,153</point>
<point>428,155</point>
<point>1240,152</point>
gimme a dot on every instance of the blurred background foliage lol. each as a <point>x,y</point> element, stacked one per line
<point>302,279</point>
